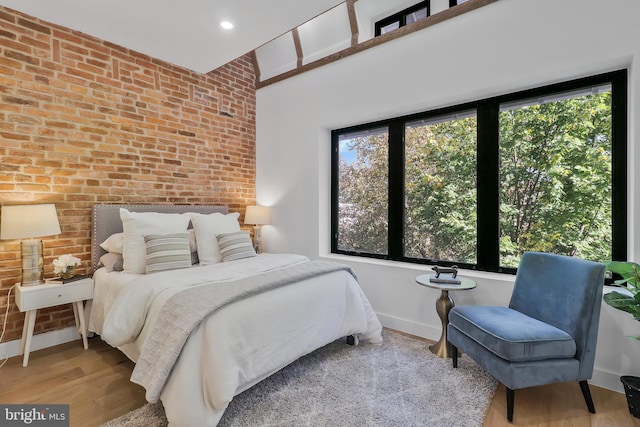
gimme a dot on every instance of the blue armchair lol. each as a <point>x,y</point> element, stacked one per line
<point>547,334</point>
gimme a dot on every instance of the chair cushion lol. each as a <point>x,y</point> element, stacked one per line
<point>512,335</point>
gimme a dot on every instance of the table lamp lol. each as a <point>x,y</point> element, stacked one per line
<point>27,222</point>
<point>257,215</point>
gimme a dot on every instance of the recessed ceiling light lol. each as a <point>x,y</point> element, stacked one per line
<point>226,25</point>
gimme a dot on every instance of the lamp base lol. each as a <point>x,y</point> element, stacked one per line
<point>257,239</point>
<point>32,263</point>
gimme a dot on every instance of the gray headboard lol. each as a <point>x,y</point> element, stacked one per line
<point>106,221</point>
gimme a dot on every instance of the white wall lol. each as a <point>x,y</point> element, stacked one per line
<point>506,46</point>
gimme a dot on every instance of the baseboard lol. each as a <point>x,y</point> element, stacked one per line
<point>410,327</point>
<point>601,378</point>
<point>40,341</point>
<point>606,379</point>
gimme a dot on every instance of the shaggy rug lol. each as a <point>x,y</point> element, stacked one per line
<point>400,383</point>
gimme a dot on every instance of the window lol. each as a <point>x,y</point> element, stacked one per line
<point>440,188</point>
<point>555,175</point>
<point>479,184</point>
<point>408,16</point>
<point>362,211</point>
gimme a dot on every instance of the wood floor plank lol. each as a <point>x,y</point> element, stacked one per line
<point>95,383</point>
<point>560,405</point>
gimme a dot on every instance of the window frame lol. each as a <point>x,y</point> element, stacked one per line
<point>487,165</point>
<point>401,17</point>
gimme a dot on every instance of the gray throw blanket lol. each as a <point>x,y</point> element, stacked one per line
<point>184,311</point>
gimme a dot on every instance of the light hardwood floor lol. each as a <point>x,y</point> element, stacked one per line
<point>95,383</point>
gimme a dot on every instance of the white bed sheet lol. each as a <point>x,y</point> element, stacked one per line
<point>243,343</point>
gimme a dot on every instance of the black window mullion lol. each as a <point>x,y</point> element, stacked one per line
<point>401,17</point>
<point>396,190</point>
<point>488,178</point>
<point>335,180</point>
<point>619,165</point>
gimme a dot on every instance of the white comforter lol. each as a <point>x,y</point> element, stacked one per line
<point>240,344</point>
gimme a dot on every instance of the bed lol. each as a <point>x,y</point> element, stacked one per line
<point>203,331</point>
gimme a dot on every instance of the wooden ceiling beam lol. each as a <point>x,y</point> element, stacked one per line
<point>256,66</point>
<point>298,45</point>
<point>353,22</point>
<point>445,15</point>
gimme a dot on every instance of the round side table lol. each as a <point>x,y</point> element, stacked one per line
<point>444,304</point>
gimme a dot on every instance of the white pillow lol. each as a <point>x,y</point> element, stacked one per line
<point>193,246</point>
<point>114,243</point>
<point>207,227</point>
<point>136,225</point>
<point>111,262</point>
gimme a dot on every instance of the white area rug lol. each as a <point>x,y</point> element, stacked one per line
<point>400,383</point>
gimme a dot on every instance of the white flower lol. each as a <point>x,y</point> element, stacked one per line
<point>60,264</point>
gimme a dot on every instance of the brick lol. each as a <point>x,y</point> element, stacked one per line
<point>34,42</point>
<point>17,100</point>
<point>34,26</point>
<point>22,57</point>
<point>85,121</point>
<point>64,125</point>
<point>7,35</point>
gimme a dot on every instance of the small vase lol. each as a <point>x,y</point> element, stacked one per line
<point>68,272</point>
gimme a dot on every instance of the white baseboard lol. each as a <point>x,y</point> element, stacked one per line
<point>601,378</point>
<point>606,379</point>
<point>409,327</point>
<point>40,341</point>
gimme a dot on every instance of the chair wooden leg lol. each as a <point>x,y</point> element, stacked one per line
<point>510,398</point>
<point>454,356</point>
<point>584,386</point>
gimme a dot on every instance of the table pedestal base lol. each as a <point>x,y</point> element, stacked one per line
<point>444,304</point>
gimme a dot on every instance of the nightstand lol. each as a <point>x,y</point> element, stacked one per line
<point>31,298</point>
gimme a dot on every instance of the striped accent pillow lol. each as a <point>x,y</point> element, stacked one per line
<point>167,252</point>
<point>236,245</point>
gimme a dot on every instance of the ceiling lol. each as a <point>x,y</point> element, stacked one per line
<point>183,32</point>
<point>328,33</point>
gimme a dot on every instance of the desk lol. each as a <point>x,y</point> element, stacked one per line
<point>444,304</point>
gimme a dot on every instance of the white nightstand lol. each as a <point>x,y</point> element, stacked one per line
<point>31,298</point>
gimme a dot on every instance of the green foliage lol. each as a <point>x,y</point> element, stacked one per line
<point>631,281</point>
<point>555,184</point>
<point>363,201</point>
<point>440,190</point>
<point>555,171</point>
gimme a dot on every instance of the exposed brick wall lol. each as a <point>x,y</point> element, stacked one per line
<point>83,121</point>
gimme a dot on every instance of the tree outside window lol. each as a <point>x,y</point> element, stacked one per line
<point>555,178</point>
<point>558,187</point>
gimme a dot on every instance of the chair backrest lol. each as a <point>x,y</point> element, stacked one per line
<point>565,292</point>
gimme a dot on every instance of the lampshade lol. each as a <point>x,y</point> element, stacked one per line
<point>28,221</point>
<point>257,215</point>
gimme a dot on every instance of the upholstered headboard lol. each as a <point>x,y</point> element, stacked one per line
<point>106,221</point>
